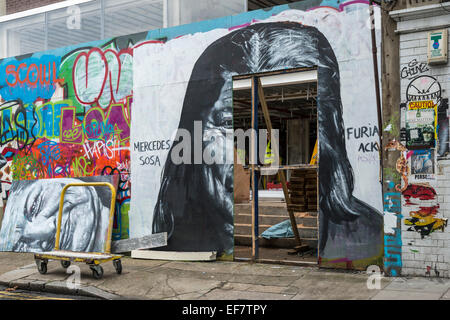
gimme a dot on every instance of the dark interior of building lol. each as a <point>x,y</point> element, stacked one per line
<point>293,112</point>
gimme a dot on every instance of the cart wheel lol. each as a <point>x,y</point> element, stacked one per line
<point>118,265</point>
<point>97,271</point>
<point>42,267</point>
<point>65,264</point>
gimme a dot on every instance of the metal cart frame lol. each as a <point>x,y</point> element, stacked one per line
<point>93,259</point>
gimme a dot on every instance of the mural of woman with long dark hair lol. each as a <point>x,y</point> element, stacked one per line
<point>195,202</point>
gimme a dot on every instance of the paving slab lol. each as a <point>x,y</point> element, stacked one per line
<point>271,270</point>
<point>236,286</point>
<point>129,264</point>
<point>159,288</point>
<point>406,295</point>
<point>189,296</point>
<point>264,280</point>
<point>189,285</point>
<point>206,266</point>
<point>16,274</point>
<point>138,284</point>
<point>54,273</point>
<point>331,286</point>
<point>446,295</point>
<point>255,288</point>
<point>220,294</point>
<point>421,284</point>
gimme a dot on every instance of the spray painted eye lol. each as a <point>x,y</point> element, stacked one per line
<point>34,209</point>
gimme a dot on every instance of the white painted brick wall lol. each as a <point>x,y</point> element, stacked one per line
<point>433,250</point>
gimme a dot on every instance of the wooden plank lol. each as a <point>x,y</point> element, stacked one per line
<point>293,70</point>
<point>147,242</point>
<point>296,207</point>
<point>173,255</point>
<point>303,167</point>
<point>254,184</point>
<point>297,191</point>
<point>301,248</point>
<point>299,179</point>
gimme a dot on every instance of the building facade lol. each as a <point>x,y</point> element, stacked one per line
<point>416,194</point>
<point>83,107</point>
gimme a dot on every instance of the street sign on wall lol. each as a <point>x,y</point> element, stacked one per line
<point>437,46</point>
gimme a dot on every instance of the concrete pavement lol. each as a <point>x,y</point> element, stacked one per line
<point>218,280</point>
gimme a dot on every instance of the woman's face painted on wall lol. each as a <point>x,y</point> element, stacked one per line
<point>218,153</point>
<point>37,205</point>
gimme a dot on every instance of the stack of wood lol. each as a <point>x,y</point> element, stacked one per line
<point>303,190</point>
<point>311,189</point>
<point>297,191</point>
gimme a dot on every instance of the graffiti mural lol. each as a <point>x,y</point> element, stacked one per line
<point>392,230</point>
<point>68,115</point>
<point>29,223</point>
<point>116,107</point>
<point>413,69</point>
<point>351,219</point>
<point>421,200</point>
<point>426,135</point>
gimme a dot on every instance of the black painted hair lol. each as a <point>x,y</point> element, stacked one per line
<point>188,213</point>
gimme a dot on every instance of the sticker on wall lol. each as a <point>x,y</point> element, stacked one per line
<point>420,129</point>
<point>424,88</point>
<point>437,46</point>
<point>422,165</point>
<point>421,202</point>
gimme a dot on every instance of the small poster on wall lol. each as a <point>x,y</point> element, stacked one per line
<point>422,164</point>
<point>420,129</point>
<point>437,47</point>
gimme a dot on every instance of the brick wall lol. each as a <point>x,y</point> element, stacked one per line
<point>429,252</point>
<point>13,6</point>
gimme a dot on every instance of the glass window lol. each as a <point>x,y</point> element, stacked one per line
<point>25,35</point>
<point>75,24</point>
<point>188,11</point>
<point>128,17</point>
<point>102,19</point>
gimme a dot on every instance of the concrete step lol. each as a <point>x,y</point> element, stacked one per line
<point>272,209</point>
<point>246,229</point>
<point>245,240</point>
<point>262,209</point>
<point>308,219</point>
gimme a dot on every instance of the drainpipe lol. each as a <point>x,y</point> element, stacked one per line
<point>377,87</point>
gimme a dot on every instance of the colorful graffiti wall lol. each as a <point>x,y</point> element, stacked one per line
<point>66,113</point>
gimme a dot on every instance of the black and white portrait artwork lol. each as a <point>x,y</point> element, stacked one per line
<point>30,219</point>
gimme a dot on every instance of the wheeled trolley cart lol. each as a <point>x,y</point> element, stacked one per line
<point>93,259</point>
